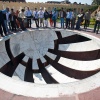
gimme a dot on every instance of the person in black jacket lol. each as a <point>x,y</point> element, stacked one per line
<point>46,16</point>
<point>2,25</point>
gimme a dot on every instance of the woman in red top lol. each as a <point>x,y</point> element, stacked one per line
<point>51,21</point>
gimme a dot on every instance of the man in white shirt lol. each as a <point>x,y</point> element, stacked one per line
<point>36,17</point>
<point>28,14</point>
<point>41,16</point>
<point>97,21</point>
<point>22,19</point>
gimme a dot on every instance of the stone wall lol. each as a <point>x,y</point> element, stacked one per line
<point>20,5</point>
<point>14,0</point>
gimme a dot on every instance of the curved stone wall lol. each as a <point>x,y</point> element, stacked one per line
<point>53,64</point>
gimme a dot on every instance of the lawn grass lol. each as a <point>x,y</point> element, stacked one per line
<point>91,26</point>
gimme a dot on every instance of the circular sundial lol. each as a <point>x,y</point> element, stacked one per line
<point>49,60</point>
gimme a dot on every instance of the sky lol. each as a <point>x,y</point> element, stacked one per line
<point>78,1</point>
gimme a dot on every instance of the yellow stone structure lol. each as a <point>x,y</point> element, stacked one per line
<point>49,6</point>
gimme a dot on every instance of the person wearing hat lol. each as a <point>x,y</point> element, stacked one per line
<point>41,16</point>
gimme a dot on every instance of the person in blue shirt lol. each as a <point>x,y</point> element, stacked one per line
<point>54,16</point>
<point>68,18</point>
<point>2,25</point>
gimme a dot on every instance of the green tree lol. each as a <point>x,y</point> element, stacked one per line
<point>96,2</point>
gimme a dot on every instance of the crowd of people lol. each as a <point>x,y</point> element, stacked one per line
<point>11,20</point>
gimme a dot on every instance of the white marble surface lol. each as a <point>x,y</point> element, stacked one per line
<point>15,77</point>
<point>52,56</point>
<point>43,60</point>
<point>38,79</point>
<point>35,65</point>
<point>80,65</point>
<point>50,90</point>
<point>3,54</point>
<point>33,44</point>
<point>59,77</point>
<point>53,33</point>
<point>25,59</point>
<point>20,71</point>
<point>66,33</point>
<point>78,47</point>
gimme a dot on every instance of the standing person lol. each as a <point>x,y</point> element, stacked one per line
<point>41,16</point>
<point>74,14</point>
<point>62,15</point>
<point>97,20</point>
<point>17,22</point>
<point>36,17</point>
<point>21,18</point>
<point>2,25</point>
<point>51,21</point>
<point>80,19</point>
<point>13,18</point>
<point>87,17</point>
<point>5,21</point>
<point>68,18</point>
<point>28,14</point>
<point>46,16</point>
<point>8,20</point>
<point>54,16</point>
